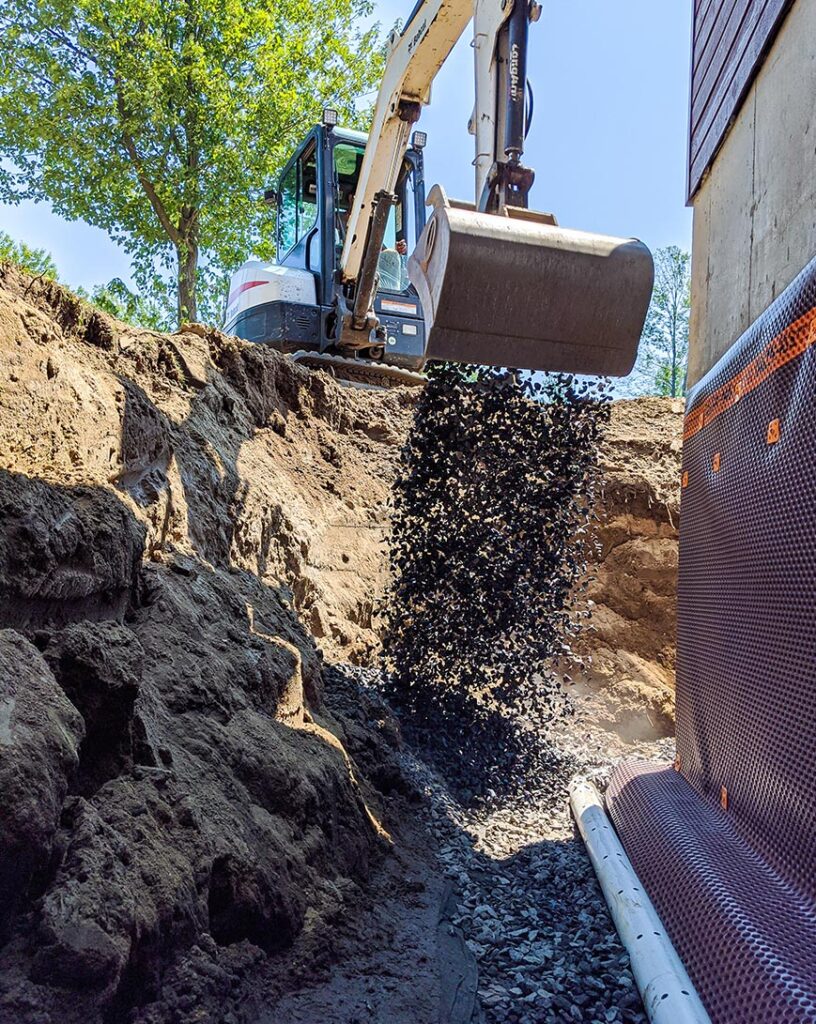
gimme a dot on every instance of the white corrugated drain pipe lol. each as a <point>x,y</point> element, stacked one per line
<point>665,987</point>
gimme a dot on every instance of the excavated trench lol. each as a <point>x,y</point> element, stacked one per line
<point>208,810</point>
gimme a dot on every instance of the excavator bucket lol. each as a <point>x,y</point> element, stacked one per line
<point>520,291</point>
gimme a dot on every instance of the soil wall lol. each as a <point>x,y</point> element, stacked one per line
<point>183,520</point>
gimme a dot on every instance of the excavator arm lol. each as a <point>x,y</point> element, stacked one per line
<point>415,56</point>
<point>499,284</point>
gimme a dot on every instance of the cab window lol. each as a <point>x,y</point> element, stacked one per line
<point>348,160</point>
<point>400,236</point>
<point>297,210</point>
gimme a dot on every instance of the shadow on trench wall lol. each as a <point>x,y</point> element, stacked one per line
<point>194,797</point>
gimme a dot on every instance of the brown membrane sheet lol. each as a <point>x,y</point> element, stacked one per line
<point>725,840</point>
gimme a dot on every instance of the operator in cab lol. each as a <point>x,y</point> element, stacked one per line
<point>392,265</point>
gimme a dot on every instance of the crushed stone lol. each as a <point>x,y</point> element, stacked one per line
<point>530,907</point>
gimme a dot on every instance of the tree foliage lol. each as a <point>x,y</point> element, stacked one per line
<point>661,364</point>
<point>36,261</point>
<point>133,308</point>
<point>161,121</point>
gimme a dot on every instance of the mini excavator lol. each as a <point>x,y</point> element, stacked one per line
<point>367,288</point>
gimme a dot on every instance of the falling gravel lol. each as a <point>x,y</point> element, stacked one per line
<point>494,507</point>
<point>490,539</point>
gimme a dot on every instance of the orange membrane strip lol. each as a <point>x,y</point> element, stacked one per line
<point>795,339</point>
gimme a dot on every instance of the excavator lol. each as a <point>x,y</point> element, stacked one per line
<point>370,289</point>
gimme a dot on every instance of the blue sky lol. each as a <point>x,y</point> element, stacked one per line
<point>608,141</point>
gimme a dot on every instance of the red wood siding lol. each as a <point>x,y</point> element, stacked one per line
<point>729,40</point>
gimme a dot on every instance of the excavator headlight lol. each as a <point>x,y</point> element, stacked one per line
<point>329,117</point>
<point>418,140</point>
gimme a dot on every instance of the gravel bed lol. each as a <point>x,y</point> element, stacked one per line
<point>530,907</point>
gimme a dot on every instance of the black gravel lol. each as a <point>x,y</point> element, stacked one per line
<point>491,532</point>
<point>530,907</point>
<point>531,911</point>
<point>493,510</point>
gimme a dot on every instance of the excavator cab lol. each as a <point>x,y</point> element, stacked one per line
<point>362,280</point>
<point>291,304</point>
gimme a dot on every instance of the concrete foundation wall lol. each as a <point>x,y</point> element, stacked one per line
<point>755,213</point>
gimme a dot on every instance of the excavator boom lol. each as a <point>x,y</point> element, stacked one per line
<point>498,284</point>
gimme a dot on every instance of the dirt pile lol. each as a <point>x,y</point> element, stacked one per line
<point>181,519</point>
<point>220,450</point>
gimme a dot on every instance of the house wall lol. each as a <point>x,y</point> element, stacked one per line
<point>755,211</point>
<point>729,41</point>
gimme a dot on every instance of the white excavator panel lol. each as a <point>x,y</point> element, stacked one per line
<point>255,283</point>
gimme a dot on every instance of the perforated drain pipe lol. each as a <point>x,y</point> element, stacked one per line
<point>665,988</point>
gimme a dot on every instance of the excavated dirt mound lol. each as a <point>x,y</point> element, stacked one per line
<point>182,520</point>
<point>217,449</point>
<point>190,526</point>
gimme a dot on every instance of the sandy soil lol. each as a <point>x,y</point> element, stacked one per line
<point>626,692</point>
<point>184,519</point>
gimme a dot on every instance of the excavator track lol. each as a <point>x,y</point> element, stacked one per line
<point>360,373</point>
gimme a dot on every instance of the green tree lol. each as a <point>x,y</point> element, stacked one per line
<point>142,311</point>
<point>36,261</point>
<point>663,354</point>
<point>161,121</point>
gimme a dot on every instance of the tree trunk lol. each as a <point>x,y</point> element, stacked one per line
<point>674,364</point>
<point>187,267</point>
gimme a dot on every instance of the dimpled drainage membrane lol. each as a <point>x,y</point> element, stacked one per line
<point>725,840</point>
